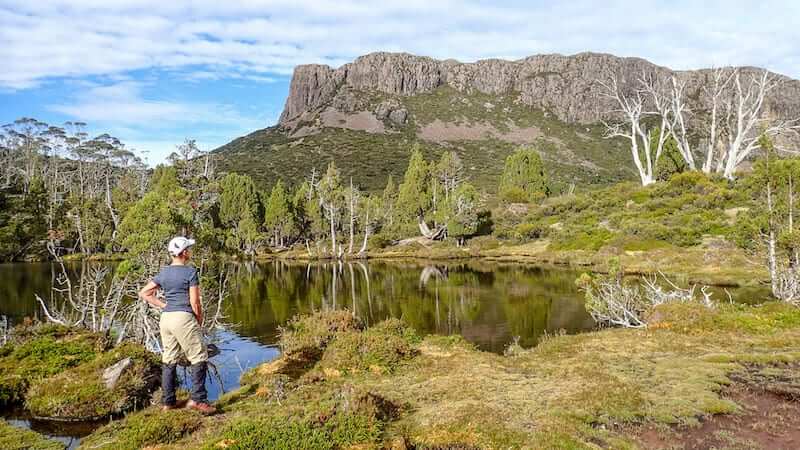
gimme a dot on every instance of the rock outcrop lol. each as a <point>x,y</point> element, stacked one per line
<point>564,85</point>
<point>367,114</point>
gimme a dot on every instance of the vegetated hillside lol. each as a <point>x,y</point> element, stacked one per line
<point>367,115</point>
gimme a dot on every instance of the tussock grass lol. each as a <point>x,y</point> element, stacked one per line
<point>317,330</point>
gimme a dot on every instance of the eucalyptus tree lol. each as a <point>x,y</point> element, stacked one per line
<point>353,198</point>
<point>112,158</point>
<point>331,200</point>
<point>462,213</point>
<point>450,172</point>
<point>24,140</point>
<point>373,215</point>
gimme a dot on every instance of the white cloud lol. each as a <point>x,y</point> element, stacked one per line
<point>155,126</point>
<point>123,104</point>
<point>260,38</point>
<point>73,41</point>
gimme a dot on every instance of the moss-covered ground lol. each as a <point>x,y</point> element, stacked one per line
<point>387,388</point>
<point>57,372</point>
<point>14,438</point>
<point>80,393</point>
<point>38,352</point>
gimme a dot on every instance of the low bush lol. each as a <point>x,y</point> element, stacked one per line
<point>316,330</point>
<point>380,349</point>
<point>679,212</point>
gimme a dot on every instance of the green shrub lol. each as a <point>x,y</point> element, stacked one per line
<point>316,330</point>
<point>680,212</point>
<point>583,239</point>
<point>526,231</point>
<point>514,194</point>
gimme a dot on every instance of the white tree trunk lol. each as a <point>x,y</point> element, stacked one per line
<point>333,236</point>
<point>111,210</point>
<point>631,107</point>
<point>352,217</point>
<point>367,227</point>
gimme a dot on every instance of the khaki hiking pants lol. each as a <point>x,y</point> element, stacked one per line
<point>180,331</point>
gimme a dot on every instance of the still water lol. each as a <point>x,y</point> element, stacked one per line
<point>490,304</point>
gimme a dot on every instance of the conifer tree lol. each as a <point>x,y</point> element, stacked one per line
<point>240,211</point>
<point>523,178</point>
<point>414,197</point>
<point>278,217</point>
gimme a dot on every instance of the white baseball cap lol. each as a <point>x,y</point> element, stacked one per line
<point>179,244</point>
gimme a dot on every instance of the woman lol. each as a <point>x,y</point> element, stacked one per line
<point>181,316</point>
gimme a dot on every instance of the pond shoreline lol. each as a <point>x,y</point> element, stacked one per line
<point>724,267</point>
<point>714,262</point>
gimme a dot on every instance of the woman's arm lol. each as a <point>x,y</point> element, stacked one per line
<point>197,306</point>
<point>148,294</point>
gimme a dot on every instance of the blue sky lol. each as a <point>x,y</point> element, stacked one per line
<point>155,72</point>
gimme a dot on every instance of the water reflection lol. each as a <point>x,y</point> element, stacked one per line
<point>488,304</point>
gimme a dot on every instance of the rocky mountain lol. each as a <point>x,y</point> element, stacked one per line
<point>367,114</point>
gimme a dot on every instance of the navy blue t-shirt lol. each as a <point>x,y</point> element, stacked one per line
<point>175,281</point>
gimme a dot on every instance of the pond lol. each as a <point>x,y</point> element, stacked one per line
<point>489,304</point>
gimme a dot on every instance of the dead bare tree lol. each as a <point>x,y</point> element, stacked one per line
<point>632,106</point>
<point>353,199</point>
<point>103,302</point>
<point>669,292</point>
<point>94,303</point>
<point>678,111</point>
<point>743,106</point>
<point>715,93</point>
<point>613,302</point>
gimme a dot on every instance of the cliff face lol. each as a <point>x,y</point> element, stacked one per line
<point>366,115</point>
<point>564,85</point>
